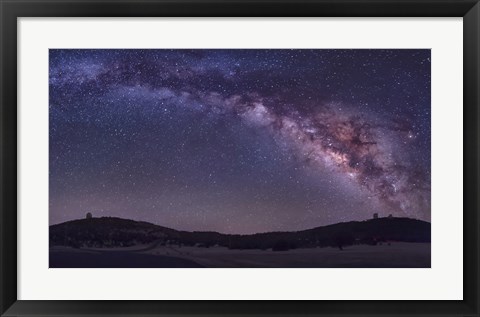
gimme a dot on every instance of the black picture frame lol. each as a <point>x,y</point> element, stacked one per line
<point>13,9</point>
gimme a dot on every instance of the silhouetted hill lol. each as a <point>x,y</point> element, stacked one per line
<point>107,231</point>
<point>117,232</point>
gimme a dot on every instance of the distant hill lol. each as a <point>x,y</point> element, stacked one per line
<point>118,232</point>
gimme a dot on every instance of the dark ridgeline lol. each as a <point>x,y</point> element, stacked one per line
<point>118,232</point>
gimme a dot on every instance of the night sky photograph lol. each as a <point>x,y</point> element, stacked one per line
<point>191,157</point>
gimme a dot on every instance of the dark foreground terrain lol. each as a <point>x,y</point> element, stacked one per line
<point>113,259</point>
<point>404,255</point>
<point>121,243</point>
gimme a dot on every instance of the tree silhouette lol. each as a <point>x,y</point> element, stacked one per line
<point>343,239</point>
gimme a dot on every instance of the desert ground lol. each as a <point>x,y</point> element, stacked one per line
<point>395,255</point>
<point>61,257</point>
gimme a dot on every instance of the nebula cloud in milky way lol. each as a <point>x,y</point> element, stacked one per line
<point>240,141</point>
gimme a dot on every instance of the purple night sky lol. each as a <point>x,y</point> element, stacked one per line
<point>239,141</point>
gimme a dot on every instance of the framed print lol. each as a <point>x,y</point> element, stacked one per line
<point>257,158</point>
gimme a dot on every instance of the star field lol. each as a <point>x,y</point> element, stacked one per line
<point>239,141</point>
